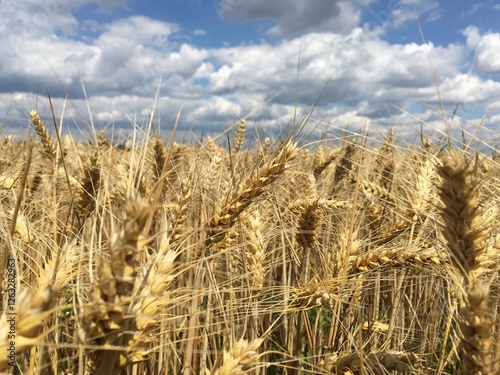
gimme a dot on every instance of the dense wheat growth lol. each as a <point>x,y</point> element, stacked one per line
<point>251,256</point>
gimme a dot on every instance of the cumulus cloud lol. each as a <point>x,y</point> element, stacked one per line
<point>486,48</point>
<point>407,10</point>
<point>360,68</point>
<point>369,80</point>
<point>293,17</point>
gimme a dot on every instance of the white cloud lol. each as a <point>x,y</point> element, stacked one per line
<point>486,48</point>
<point>121,63</point>
<point>217,108</point>
<point>292,17</point>
<point>361,68</point>
<point>473,9</point>
<point>398,13</point>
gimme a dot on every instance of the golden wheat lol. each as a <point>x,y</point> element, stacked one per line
<point>277,260</point>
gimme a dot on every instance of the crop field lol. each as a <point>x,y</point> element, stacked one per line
<point>239,254</point>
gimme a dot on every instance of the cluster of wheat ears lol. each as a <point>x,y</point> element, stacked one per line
<point>262,257</point>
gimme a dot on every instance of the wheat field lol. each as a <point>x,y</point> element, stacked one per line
<point>245,255</point>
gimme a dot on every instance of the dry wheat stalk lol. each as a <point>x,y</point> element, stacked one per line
<point>326,204</point>
<point>387,233</point>
<point>35,183</point>
<point>211,174</point>
<point>372,190</point>
<point>299,184</point>
<point>8,182</point>
<point>489,259</point>
<point>22,228</point>
<point>428,146</point>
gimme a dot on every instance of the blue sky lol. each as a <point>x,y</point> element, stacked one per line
<point>220,60</point>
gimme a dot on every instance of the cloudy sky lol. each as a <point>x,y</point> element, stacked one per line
<point>220,60</point>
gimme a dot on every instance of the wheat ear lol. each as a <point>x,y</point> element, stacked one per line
<point>224,219</point>
<point>465,229</point>
<point>44,135</point>
<point>264,147</point>
<point>87,194</point>
<point>110,318</point>
<point>240,358</point>
<point>26,325</point>
<point>256,251</point>
<point>345,164</point>
<point>384,163</point>
<point>240,136</point>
